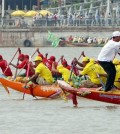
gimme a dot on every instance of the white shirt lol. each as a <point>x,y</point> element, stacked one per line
<point>109,51</point>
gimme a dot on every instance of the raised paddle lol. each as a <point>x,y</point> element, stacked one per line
<point>12,59</point>
<point>37,50</point>
<point>73,65</point>
<point>17,64</point>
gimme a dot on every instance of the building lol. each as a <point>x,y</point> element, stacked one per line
<point>12,4</point>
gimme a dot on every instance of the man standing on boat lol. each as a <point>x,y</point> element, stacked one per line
<point>106,56</point>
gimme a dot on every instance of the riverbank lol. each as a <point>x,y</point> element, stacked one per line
<point>16,37</point>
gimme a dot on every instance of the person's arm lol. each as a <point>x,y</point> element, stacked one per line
<point>33,77</point>
<point>13,65</point>
<point>79,68</point>
<point>23,64</point>
<point>32,67</point>
<point>46,55</point>
<point>119,53</point>
<point>53,68</point>
<point>78,63</point>
<point>83,54</point>
<point>62,58</point>
<point>103,75</point>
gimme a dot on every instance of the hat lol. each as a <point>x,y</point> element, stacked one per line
<point>116,61</point>
<point>64,62</point>
<point>41,55</point>
<point>26,56</point>
<point>38,58</point>
<point>85,59</point>
<point>116,34</point>
<point>1,57</point>
<point>21,56</point>
<point>52,58</point>
<point>92,60</point>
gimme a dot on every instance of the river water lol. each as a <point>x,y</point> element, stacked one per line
<point>45,116</point>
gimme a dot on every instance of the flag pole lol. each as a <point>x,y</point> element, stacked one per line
<point>3,10</point>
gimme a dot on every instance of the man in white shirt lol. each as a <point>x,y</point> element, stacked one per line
<point>106,57</point>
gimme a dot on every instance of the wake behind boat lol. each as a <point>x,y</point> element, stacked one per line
<point>38,90</point>
<point>91,93</point>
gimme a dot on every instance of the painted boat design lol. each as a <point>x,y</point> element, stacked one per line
<point>91,93</point>
<point>38,90</point>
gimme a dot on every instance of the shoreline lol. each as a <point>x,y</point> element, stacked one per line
<point>37,37</point>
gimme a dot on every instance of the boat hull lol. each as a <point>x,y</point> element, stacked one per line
<point>92,93</point>
<point>41,91</point>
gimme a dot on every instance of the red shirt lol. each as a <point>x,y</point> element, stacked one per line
<point>24,64</point>
<point>5,68</point>
<point>68,67</point>
<point>48,64</point>
<point>76,71</point>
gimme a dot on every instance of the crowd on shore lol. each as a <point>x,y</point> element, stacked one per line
<point>64,19</point>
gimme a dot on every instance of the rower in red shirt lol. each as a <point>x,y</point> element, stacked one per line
<point>4,67</point>
<point>24,64</point>
<point>65,64</point>
<point>53,66</point>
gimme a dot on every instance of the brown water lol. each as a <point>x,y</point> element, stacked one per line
<point>45,116</point>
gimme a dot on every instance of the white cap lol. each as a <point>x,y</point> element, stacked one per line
<point>115,34</point>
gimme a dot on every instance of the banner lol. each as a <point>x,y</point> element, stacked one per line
<point>53,39</point>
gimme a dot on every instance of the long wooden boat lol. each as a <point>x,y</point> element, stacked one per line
<point>38,90</point>
<point>91,93</point>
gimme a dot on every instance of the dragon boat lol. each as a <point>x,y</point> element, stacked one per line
<point>36,90</point>
<point>91,93</point>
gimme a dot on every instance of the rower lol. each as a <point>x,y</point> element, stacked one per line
<point>24,64</point>
<point>4,67</point>
<point>43,75</point>
<point>116,62</point>
<point>90,69</point>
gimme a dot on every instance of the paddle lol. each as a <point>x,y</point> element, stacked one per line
<point>11,60</point>
<point>61,58</point>
<point>73,65</point>
<point>103,85</point>
<point>17,64</point>
<point>27,76</point>
<point>37,50</point>
<point>6,88</point>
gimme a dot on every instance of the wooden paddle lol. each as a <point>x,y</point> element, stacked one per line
<point>6,88</point>
<point>103,85</point>
<point>37,50</point>
<point>11,60</point>
<point>73,65</point>
<point>17,64</point>
<point>27,76</point>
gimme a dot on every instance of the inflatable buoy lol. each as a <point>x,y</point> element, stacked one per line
<point>27,43</point>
